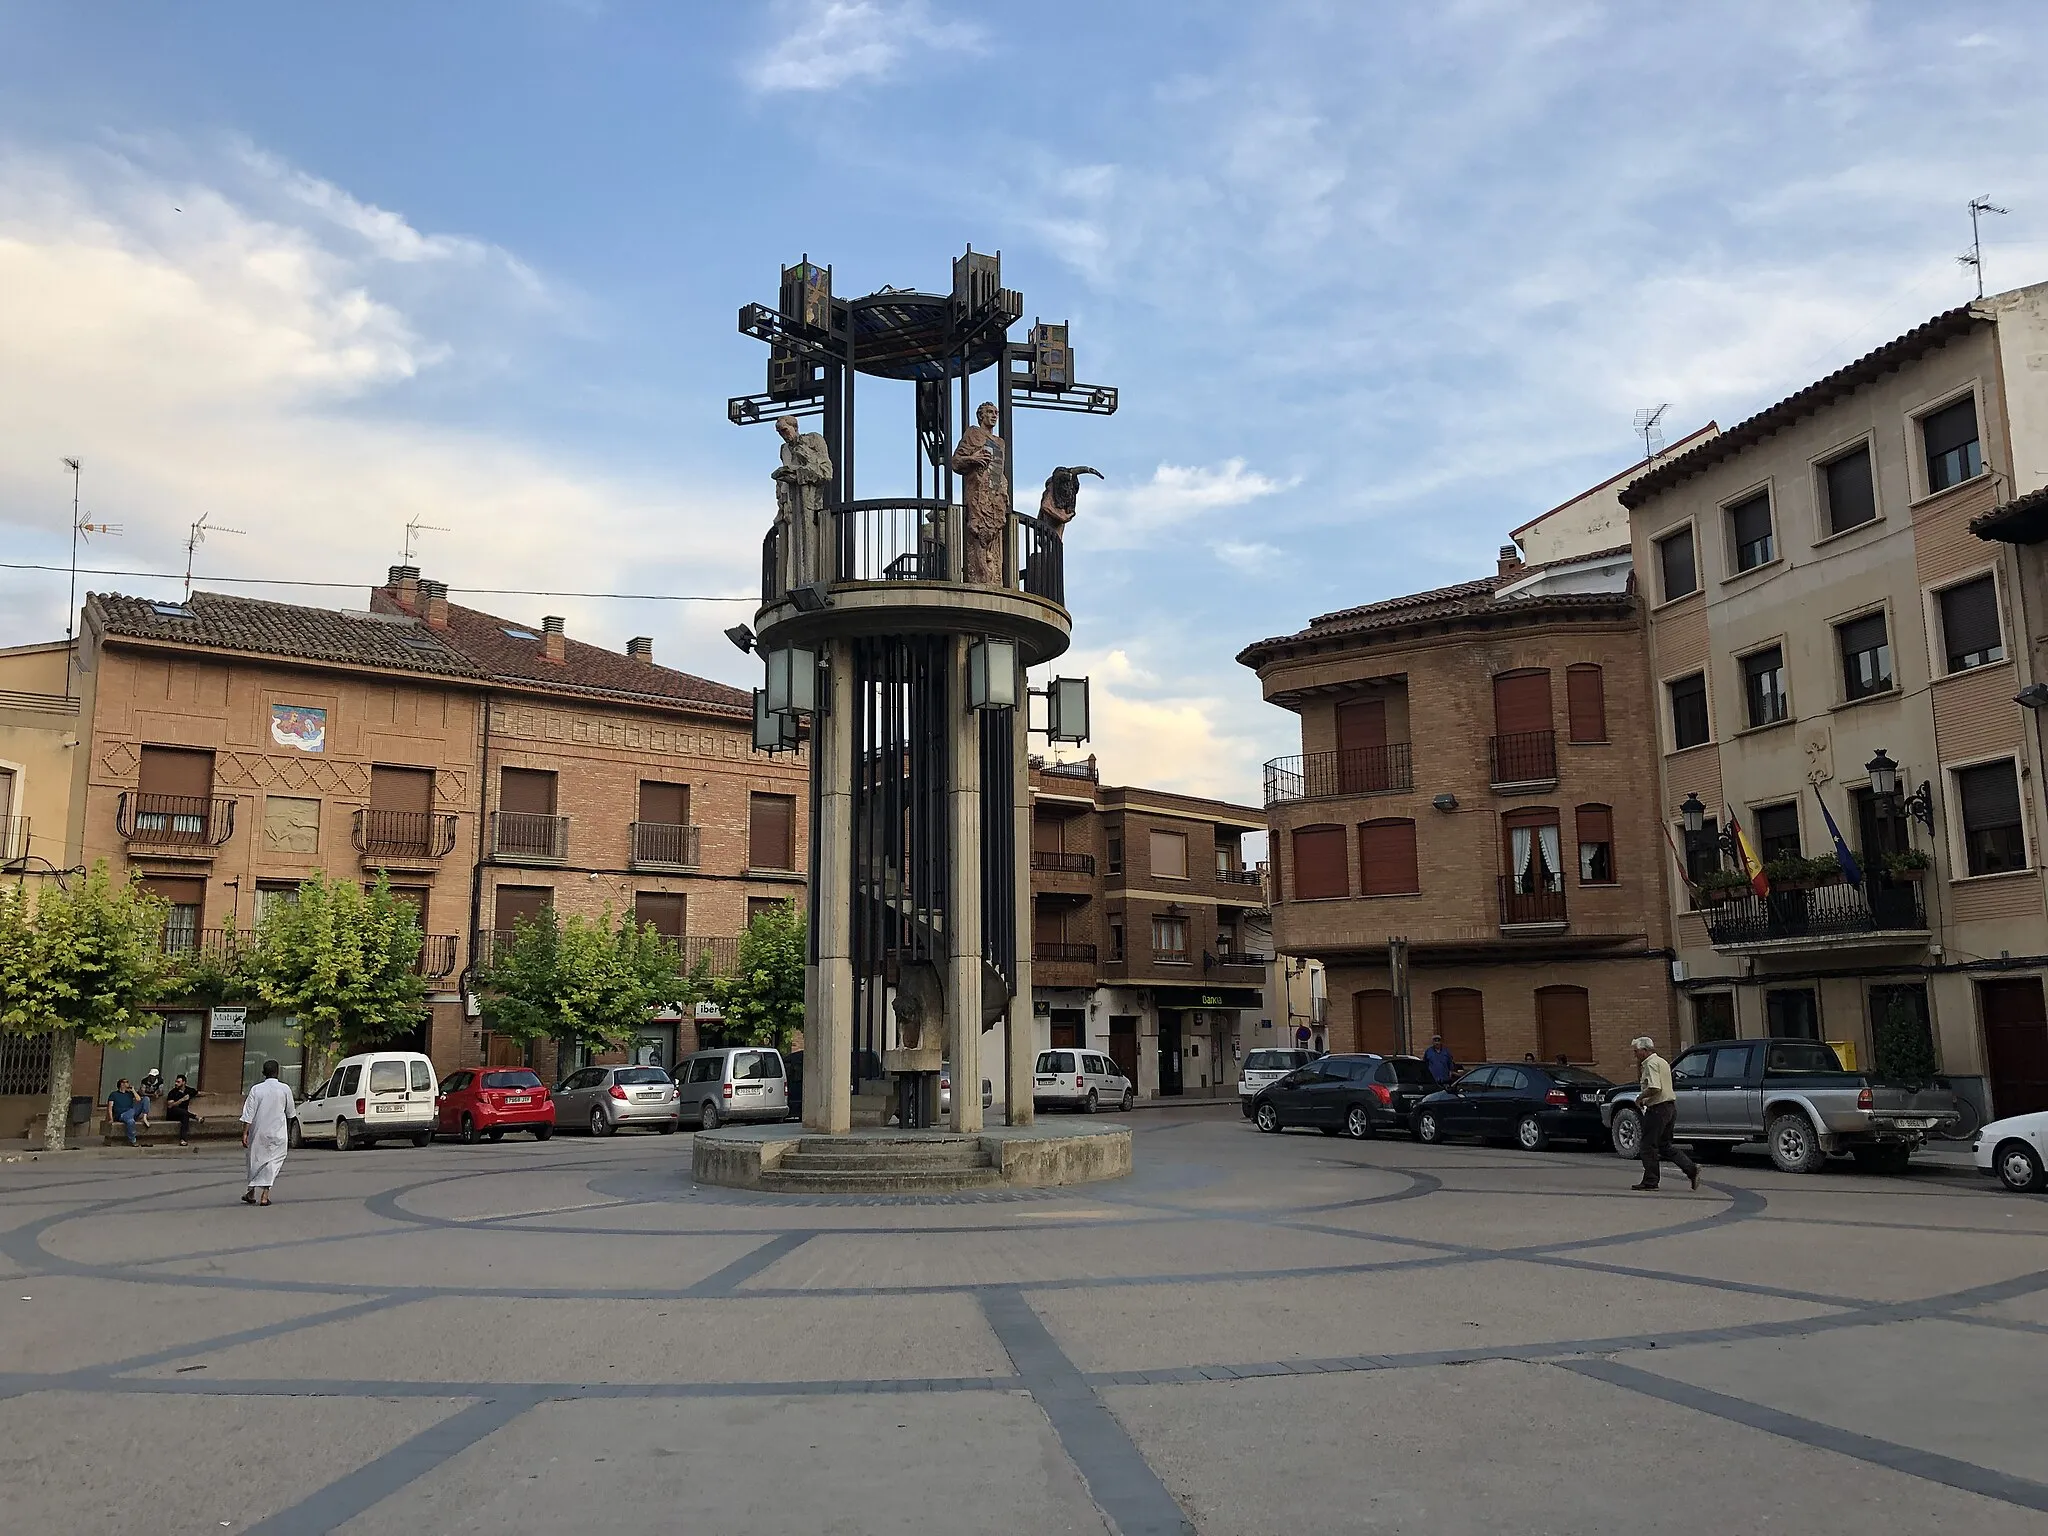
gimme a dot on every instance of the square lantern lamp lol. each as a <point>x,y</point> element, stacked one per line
<point>1066,709</point>
<point>792,681</point>
<point>772,732</point>
<point>992,674</point>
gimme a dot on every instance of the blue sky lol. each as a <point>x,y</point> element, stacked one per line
<point>1377,282</point>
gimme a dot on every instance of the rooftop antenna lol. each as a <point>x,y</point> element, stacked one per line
<point>79,528</point>
<point>1974,256</point>
<point>199,532</point>
<point>413,530</point>
<point>1650,428</point>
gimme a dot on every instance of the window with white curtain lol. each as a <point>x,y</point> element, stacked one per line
<point>1535,858</point>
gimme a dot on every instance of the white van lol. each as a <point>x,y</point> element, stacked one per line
<point>376,1096</point>
<point>1084,1080</point>
<point>733,1082</point>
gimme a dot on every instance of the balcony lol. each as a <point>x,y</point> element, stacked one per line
<point>1524,758</point>
<point>1170,957</point>
<point>493,944</point>
<point>437,955</point>
<point>13,838</point>
<point>386,836</point>
<point>1062,953</point>
<point>1354,771</point>
<point>1240,959</point>
<point>529,837</point>
<point>1538,903</point>
<point>663,845</point>
<point>215,943</point>
<point>1876,912</point>
<point>194,824</point>
<point>1063,863</point>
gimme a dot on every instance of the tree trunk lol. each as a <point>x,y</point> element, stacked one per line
<point>63,1044</point>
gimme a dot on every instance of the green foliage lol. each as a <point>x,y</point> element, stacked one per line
<point>82,962</point>
<point>1822,869</point>
<point>1906,858</point>
<point>1721,880</point>
<point>582,983</point>
<point>343,963</point>
<point>763,1000</point>
<point>1904,1049</point>
<point>210,978</point>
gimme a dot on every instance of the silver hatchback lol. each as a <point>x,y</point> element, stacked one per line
<point>602,1099</point>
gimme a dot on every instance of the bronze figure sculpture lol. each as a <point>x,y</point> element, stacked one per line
<point>981,462</point>
<point>1062,490</point>
<point>802,520</point>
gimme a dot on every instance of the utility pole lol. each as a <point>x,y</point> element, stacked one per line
<point>1397,977</point>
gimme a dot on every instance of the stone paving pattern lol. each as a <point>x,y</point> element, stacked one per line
<point>1250,1334</point>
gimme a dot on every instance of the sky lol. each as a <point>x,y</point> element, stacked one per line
<point>1377,283</point>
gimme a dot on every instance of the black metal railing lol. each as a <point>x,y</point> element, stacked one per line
<point>13,838</point>
<point>529,835</point>
<point>493,944</point>
<point>219,943</point>
<point>404,834</point>
<point>175,821</point>
<point>1084,768</point>
<point>1170,957</point>
<point>897,539</point>
<point>437,955</point>
<point>771,567</point>
<point>1525,757</point>
<point>1240,877</point>
<point>1538,900</point>
<point>1353,771</point>
<point>1825,911</point>
<point>1041,560</point>
<point>663,844</point>
<point>1054,953</point>
<point>1067,863</point>
<point>1240,957</point>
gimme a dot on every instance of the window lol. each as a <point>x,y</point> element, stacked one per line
<point>1866,656</point>
<point>1596,845</point>
<point>1675,562</point>
<point>422,1077</point>
<point>1970,636</point>
<point>1116,938</point>
<point>1693,1066</point>
<point>455,1082</point>
<point>1749,531</point>
<point>1535,862</point>
<point>1051,1062</point>
<point>351,1079</point>
<point>1851,496</point>
<point>1319,864</point>
<point>1993,839</point>
<point>516,1077</point>
<point>1169,855</point>
<point>387,1077</point>
<point>1461,1020</point>
<point>1763,686</point>
<point>1585,695</point>
<point>187,900</point>
<point>763,906</point>
<point>756,1065</point>
<point>1702,853</point>
<point>174,798</point>
<point>1170,939</point>
<point>664,913</point>
<point>1777,831</point>
<point>1386,858</point>
<point>1113,852</point>
<point>1731,1063</point>
<point>771,832</point>
<point>664,805</point>
<point>1792,1013</point>
<point>1713,1016</point>
<point>1688,711</point>
<point>527,791</point>
<point>1950,436</point>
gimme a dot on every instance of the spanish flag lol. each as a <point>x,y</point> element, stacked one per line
<point>1752,866</point>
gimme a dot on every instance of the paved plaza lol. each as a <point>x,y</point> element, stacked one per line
<point>1250,1334</point>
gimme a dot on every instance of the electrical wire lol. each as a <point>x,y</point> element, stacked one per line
<point>279,581</point>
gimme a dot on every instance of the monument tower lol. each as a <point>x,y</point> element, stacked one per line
<point>897,629</point>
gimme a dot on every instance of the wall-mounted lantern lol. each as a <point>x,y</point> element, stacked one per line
<point>992,673</point>
<point>772,732</point>
<point>1066,709</point>
<point>792,681</point>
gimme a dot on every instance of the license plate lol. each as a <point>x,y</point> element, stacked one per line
<point>750,1087</point>
<point>645,1098</point>
<point>1914,1125</point>
<point>389,1109</point>
<point>519,1098</point>
<point>1046,1081</point>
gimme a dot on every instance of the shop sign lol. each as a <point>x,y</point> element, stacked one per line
<point>709,1010</point>
<point>227,1024</point>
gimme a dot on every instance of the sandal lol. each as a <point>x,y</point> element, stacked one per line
<point>249,1198</point>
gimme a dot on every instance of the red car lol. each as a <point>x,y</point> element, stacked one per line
<point>489,1101</point>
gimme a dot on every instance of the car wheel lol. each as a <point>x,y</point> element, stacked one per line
<point>2019,1167</point>
<point>1625,1135</point>
<point>707,1118</point>
<point>344,1138</point>
<point>1092,1105</point>
<point>468,1131</point>
<point>1428,1129</point>
<point>1267,1119</point>
<point>1530,1135</point>
<point>599,1125</point>
<point>423,1139</point>
<point>1130,1100</point>
<point>543,1132</point>
<point>292,1138</point>
<point>1358,1123</point>
<point>497,1134</point>
<point>668,1127</point>
<point>1794,1146</point>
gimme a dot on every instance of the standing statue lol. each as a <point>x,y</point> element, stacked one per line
<point>981,462</point>
<point>803,524</point>
<point>1062,490</point>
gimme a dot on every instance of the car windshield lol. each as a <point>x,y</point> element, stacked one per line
<point>520,1079</point>
<point>1578,1077</point>
<point>1272,1061</point>
<point>632,1076</point>
<point>749,1065</point>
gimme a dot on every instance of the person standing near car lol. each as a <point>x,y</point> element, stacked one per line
<point>1657,1103</point>
<point>266,1132</point>
<point>1438,1061</point>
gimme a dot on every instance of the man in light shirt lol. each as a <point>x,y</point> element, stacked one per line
<point>1657,1104</point>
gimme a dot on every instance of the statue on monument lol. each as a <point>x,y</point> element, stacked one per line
<point>1062,491</point>
<point>802,522</point>
<point>982,462</point>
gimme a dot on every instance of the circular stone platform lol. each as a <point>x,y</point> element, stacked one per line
<point>792,1160</point>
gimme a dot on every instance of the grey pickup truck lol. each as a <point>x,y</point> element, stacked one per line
<point>1792,1095</point>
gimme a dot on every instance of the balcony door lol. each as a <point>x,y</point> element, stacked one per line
<point>175,794</point>
<point>1361,746</point>
<point>401,810</point>
<point>1524,741</point>
<point>187,901</point>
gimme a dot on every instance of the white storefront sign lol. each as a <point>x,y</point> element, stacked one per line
<point>227,1024</point>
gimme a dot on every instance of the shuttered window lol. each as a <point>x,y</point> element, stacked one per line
<point>1521,703</point>
<point>1564,1024</point>
<point>1970,634</point>
<point>1319,864</point>
<point>1170,855</point>
<point>1749,531</point>
<point>1676,565</point>
<point>401,789</point>
<point>1950,436</point>
<point>664,805</point>
<point>1596,845</point>
<point>1852,499</point>
<point>1461,1020</point>
<point>1386,858</point>
<point>517,902</point>
<point>527,791</point>
<point>1993,837</point>
<point>1866,657</point>
<point>1585,694</point>
<point>176,771</point>
<point>771,832</point>
<point>664,913</point>
<point>1688,711</point>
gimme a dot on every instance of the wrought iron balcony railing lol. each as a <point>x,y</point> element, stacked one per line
<point>1540,900</point>
<point>529,835</point>
<point>1821,913</point>
<point>1170,957</point>
<point>1240,957</point>
<point>1041,560</point>
<point>404,834</point>
<point>1353,771</point>
<point>1525,757</point>
<point>437,955</point>
<point>13,838</point>
<point>1054,953</point>
<point>1240,877</point>
<point>663,845</point>
<point>175,821</point>
<point>219,943</point>
<point>904,538</point>
<point>1065,863</point>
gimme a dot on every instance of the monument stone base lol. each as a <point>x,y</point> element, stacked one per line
<point>787,1159</point>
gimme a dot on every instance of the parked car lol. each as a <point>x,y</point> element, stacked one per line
<point>1359,1094</point>
<point>988,1090</point>
<point>2016,1150</point>
<point>489,1101</point>
<point>1525,1102</point>
<point>1793,1096</point>
<point>372,1097</point>
<point>1080,1079</point>
<point>1263,1067</point>
<point>732,1082</point>
<point>604,1099</point>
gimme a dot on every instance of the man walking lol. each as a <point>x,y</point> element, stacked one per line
<point>1438,1061</point>
<point>266,1131</point>
<point>1657,1104</point>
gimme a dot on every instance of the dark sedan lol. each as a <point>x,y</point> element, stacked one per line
<point>1357,1095</point>
<point>1524,1102</point>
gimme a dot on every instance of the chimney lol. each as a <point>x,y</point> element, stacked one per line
<point>552,645</point>
<point>404,582</point>
<point>641,648</point>
<point>1510,560</point>
<point>434,603</point>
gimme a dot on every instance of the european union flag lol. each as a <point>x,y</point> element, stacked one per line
<point>1851,870</point>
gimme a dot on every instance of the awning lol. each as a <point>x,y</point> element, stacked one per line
<point>1208,997</point>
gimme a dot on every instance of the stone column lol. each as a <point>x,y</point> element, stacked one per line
<point>1022,1030</point>
<point>963,984</point>
<point>828,1011</point>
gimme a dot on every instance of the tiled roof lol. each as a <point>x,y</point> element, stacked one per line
<point>2023,520</point>
<point>283,629</point>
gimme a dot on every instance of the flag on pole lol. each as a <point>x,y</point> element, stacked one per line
<point>1851,871</point>
<point>1684,873</point>
<point>1745,856</point>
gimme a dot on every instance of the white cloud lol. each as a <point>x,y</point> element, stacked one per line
<point>1128,518</point>
<point>829,43</point>
<point>1154,730</point>
<point>1252,556</point>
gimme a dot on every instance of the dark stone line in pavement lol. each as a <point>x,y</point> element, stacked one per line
<point>723,1282</point>
<point>537,1391</point>
<point>249,1335</point>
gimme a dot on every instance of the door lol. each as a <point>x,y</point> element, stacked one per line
<point>448,1114</point>
<point>1123,1045</point>
<point>1293,1096</point>
<point>1372,1015</point>
<point>1511,1095</point>
<point>400,814</point>
<point>1066,1028</point>
<point>1524,746</point>
<point>1465,1109</point>
<point>2015,1045</point>
<point>1564,1024</point>
<point>1794,1013</point>
<point>1461,1020</point>
<point>1361,746</point>
<point>1689,1075</point>
<point>174,794</point>
<point>1731,1108</point>
<point>187,900</point>
<point>1169,1056</point>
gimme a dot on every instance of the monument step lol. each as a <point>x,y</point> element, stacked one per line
<point>879,1181</point>
<point>883,1146</point>
<point>914,1162</point>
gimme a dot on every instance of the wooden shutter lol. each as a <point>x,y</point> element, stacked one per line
<point>527,791</point>
<point>1969,620</point>
<point>1585,694</point>
<point>1990,795</point>
<point>664,805</point>
<point>520,901</point>
<point>663,911</point>
<point>1521,703</point>
<point>1596,825</point>
<point>2015,1045</point>
<point>1564,1024</point>
<point>1170,855</point>
<point>1386,858</point>
<point>1048,834</point>
<point>1372,1015</point>
<point>771,832</point>
<point>177,892</point>
<point>401,789</point>
<point>1461,1020</point>
<point>1048,925</point>
<point>1361,723</point>
<point>1320,865</point>
<point>176,771</point>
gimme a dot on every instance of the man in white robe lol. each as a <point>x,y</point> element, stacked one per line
<point>267,1115</point>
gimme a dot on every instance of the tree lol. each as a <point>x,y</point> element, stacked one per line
<point>1905,1051</point>
<point>582,984</point>
<point>79,967</point>
<point>763,999</point>
<point>343,963</point>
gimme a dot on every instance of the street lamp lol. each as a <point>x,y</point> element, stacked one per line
<point>1884,784</point>
<point>992,674</point>
<point>1884,775</point>
<point>1695,813</point>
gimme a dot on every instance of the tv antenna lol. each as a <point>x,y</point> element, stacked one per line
<point>199,532</point>
<point>413,530</point>
<point>1974,256</point>
<point>80,528</point>
<point>1650,428</point>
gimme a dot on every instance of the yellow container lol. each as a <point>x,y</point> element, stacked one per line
<point>1846,1049</point>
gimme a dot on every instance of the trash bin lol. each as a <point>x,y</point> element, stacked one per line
<point>81,1109</point>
